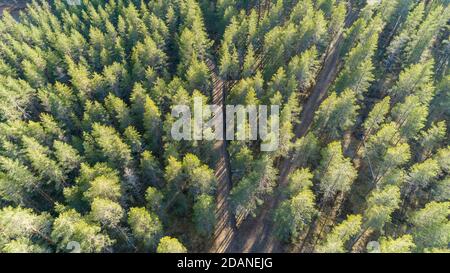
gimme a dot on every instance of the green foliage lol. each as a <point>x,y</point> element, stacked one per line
<point>106,212</point>
<point>336,173</point>
<point>105,144</point>
<point>154,199</point>
<point>431,226</point>
<point>70,226</point>
<point>337,114</point>
<point>303,68</point>
<point>87,155</point>
<point>386,152</point>
<point>376,116</point>
<point>423,173</point>
<point>441,190</point>
<point>414,80</point>
<point>170,245</point>
<point>16,98</point>
<point>103,187</point>
<point>46,167</point>
<point>204,215</point>
<point>380,205</point>
<point>432,138</point>
<point>16,181</point>
<point>294,215</point>
<point>410,116</point>
<point>246,195</point>
<point>146,228</point>
<point>306,149</point>
<point>403,244</point>
<point>298,181</point>
<point>428,29</point>
<point>23,230</point>
<point>336,240</point>
<point>357,73</point>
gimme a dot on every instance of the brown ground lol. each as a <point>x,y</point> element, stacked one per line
<point>224,234</point>
<point>13,7</point>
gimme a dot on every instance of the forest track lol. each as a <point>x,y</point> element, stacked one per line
<point>257,234</point>
<point>225,229</point>
<point>13,7</point>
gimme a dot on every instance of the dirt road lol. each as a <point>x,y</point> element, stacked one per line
<point>256,234</point>
<point>224,234</point>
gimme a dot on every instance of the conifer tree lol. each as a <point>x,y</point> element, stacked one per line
<point>170,245</point>
<point>340,235</point>
<point>146,228</point>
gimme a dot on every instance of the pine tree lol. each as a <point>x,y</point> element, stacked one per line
<point>336,173</point>
<point>298,181</point>
<point>204,215</point>
<point>303,68</point>
<point>340,235</point>
<point>198,77</point>
<point>16,180</point>
<point>337,114</point>
<point>410,116</point>
<point>67,157</point>
<point>441,190</point>
<point>357,73</point>
<point>94,112</point>
<point>246,195</point>
<point>380,205</point>
<point>46,167</point>
<point>294,215</point>
<point>431,226</point>
<point>443,158</point>
<point>115,79</point>
<point>106,212</point>
<point>432,138</point>
<point>16,98</point>
<point>75,195</point>
<point>414,80</point>
<point>152,124</point>
<point>151,172</point>
<point>422,174</point>
<point>103,187</point>
<point>146,55</point>
<point>146,228</point>
<point>119,111</point>
<point>20,226</point>
<point>154,199</point>
<point>70,226</point>
<point>403,244</point>
<point>376,116</point>
<point>425,34</point>
<point>104,143</point>
<point>249,62</point>
<point>170,245</point>
<point>337,19</point>
<point>134,140</point>
<point>396,49</point>
<point>306,149</point>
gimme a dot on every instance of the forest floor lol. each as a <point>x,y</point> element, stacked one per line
<point>225,229</point>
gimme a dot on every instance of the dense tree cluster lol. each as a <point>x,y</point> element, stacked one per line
<point>87,91</point>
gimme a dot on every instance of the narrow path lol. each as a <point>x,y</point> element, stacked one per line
<point>13,7</point>
<point>256,234</point>
<point>224,233</point>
